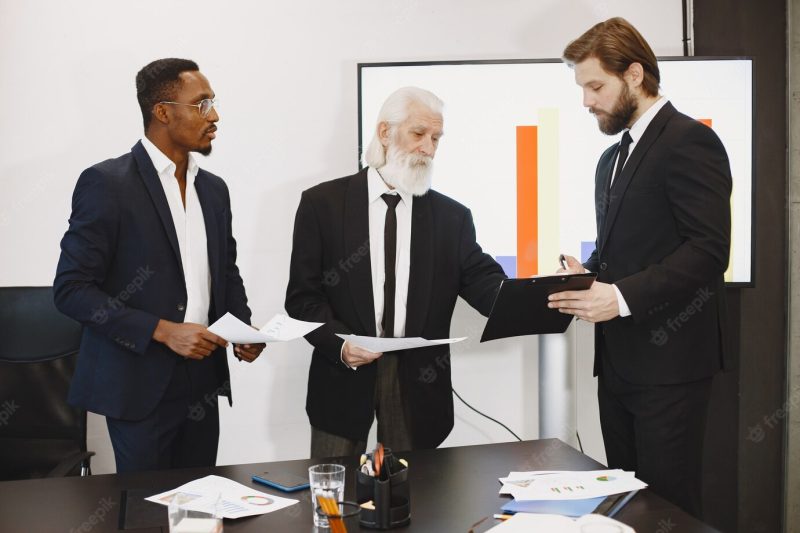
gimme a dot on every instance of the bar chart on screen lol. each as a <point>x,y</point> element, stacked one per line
<point>521,151</point>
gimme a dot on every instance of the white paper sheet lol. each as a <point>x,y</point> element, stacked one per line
<point>236,500</point>
<point>568,485</point>
<point>384,344</point>
<point>525,523</point>
<point>280,328</point>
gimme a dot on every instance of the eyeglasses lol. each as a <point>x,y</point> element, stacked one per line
<point>205,106</point>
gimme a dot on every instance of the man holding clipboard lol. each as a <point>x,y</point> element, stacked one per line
<point>663,240</point>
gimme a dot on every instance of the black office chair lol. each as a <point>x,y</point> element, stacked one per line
<point>40,434</point>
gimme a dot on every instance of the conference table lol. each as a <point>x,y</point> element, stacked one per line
<point>452,489</point>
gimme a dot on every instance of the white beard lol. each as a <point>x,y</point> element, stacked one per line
<point>407,172</point>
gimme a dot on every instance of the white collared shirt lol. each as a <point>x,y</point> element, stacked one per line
<point>190,227</point>
<point>636,131</point>
<point>377,220</point>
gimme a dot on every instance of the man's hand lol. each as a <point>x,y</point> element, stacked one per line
<point>189,340</point>
<point>356,357</point>
<point>248,352</point>
<point>573,266</point>
<point>596,304</point>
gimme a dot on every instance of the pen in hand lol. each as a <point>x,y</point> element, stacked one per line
<point>563,261</point>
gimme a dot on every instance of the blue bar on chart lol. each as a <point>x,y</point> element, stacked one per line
<point>587,247</point>
<point>509,264</point>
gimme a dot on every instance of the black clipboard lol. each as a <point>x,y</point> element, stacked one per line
<point>520,307</point>
<point>613,504</point>
<point>136,513</point>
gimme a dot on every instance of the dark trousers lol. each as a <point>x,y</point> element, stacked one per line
<point>658,432</point>
<point>182,431</point>
<point>392,428</point>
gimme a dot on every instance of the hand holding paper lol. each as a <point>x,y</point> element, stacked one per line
<point>356,356</point>
<point>391,344</point>
<point>248,352</point>
<point>280,328</point>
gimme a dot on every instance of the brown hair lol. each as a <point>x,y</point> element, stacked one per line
<point>616,44</point>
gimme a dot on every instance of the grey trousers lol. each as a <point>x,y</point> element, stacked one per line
<point>392,428</point>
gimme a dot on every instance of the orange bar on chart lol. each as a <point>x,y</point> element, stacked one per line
<point>527,202</point>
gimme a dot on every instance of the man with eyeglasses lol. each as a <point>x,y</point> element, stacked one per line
<point>148,261</point>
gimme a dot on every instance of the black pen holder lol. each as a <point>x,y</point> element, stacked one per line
<point>390,497</point>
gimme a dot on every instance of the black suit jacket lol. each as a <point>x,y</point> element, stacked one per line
<point>330,281</point>
<point>665,241</point>
<point>120,272</point>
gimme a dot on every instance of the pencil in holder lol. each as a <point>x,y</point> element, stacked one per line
<point>389,493</point>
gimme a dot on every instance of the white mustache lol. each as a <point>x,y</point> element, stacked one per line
<point>419,160</point>
<point>408,172</point>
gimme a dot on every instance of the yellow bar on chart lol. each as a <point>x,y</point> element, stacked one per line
<point>548,212</point>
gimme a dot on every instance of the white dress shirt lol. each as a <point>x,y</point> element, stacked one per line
<point>377,220</point>
<point>636,131</point>
<point>190,226</point>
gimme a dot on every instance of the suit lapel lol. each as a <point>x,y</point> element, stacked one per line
<point>620,185</point>
<point>151,180</point>
<point>356,240</point>
<point>210,217</point>
<point>420,279</point>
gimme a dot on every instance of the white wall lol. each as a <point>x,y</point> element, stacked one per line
<point>285,73</point>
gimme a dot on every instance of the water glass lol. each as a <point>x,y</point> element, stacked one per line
<point>326,480</point>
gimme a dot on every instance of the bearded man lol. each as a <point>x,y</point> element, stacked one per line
<point>663,239</point>
<point>380,254</point>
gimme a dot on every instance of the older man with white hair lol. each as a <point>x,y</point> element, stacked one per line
<point>378,253</point>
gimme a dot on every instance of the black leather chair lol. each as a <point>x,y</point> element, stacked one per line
<point>40,434</point>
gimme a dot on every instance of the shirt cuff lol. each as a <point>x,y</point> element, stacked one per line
<point>624,310</point>
<point>341,358</point>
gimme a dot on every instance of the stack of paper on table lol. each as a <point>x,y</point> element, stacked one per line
<point>525,523</point>
<point>565,492</point>
<point>235,500</point>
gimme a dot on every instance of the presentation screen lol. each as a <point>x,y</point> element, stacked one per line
<point>519,125</point>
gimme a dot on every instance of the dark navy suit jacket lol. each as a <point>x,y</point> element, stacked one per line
<point>120,272</point>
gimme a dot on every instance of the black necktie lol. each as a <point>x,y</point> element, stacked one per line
<point>390,255</point>
<point>624,144</point>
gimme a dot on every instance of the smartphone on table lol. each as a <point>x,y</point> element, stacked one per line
<point>282,481</point>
